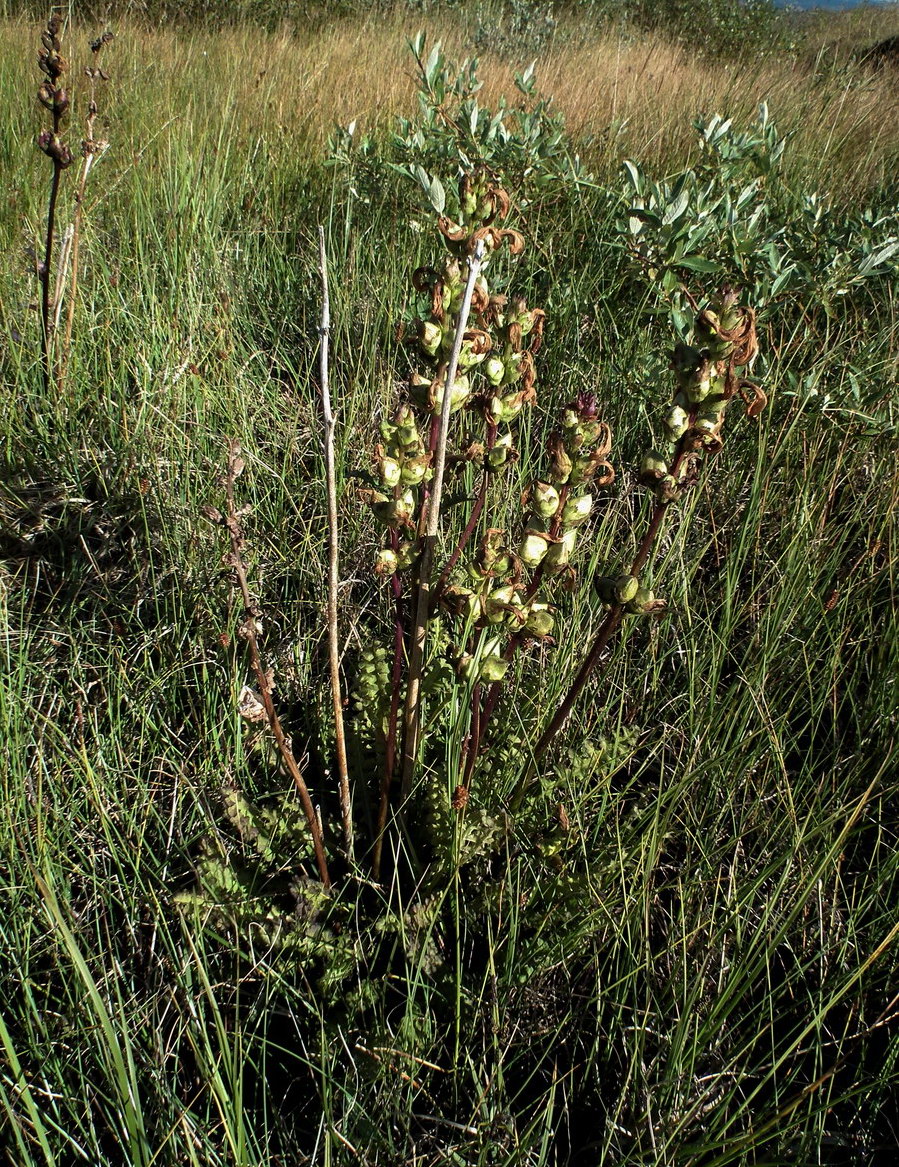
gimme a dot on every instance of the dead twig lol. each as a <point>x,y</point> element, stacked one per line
<point>346,802</point>
<point>231,520</point>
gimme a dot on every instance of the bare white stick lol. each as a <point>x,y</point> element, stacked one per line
<point>346,802</point>
<point>429,539</point>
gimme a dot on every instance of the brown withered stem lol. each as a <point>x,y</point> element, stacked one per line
<point>231,520</point>
<point>91,150</point>
<point>346,802</point>
<point>470,526</point>
<point>53,95</point>
<point>429,538</point>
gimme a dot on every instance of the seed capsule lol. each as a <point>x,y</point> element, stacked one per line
<point>532,549</point>
<point>544,499</point>
<point>540,621</point>
<point>494,370</point>
<point>577,510</point>
<point>653,468</point>
<point>626,587</point>
<point>559,554</point>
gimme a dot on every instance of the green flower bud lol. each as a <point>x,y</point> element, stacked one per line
<point>414,470</point>
<point>570,421</point>
<point>493,668</point>
<point>577,510</point>
<point>500,606</point>
<point>500,454</point>
<point>420,388</point>
<point>459,394</point>
<point>626,587</point>
<point>511,405</point>
<point>605,588</point>
<point>469,356</point>
<point>389,472</point>
<point>645,603</point>
<point>462,602</point>
<point>709,418</point>
<point>386,563</point>
<point>698,391</point>
<point>667,488</point>
<point>406,555</point>
<point>404,429</point>
<point>640,601</point>
<point>405,507</point>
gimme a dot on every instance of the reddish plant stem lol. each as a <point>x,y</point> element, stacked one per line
<point>399,638</point>
<point>533,587</point>
<point>472,520</point>
<point>613,618</point>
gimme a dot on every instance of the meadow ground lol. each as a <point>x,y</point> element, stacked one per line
<point>694,963</point>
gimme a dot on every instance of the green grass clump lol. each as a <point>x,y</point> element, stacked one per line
<point>681,949</point>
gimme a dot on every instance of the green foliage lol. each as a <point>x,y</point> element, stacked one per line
<point>731,218</point>
<point>524,145</point>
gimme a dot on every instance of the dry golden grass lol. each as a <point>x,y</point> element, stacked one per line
<point>629,98</point>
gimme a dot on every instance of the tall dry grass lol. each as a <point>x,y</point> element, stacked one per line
<point>626,97</point>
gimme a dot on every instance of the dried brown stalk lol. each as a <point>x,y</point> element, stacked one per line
<point>231,520</point>
<point>91,150</point>
<point>346,803</point>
